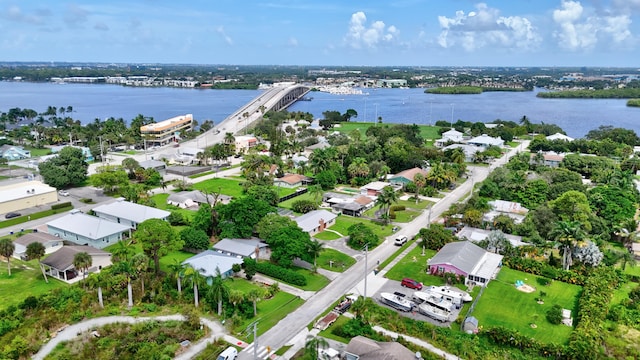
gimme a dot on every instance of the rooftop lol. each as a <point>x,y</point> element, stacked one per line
<point>166,124</point>
<point>91,227</point>
<point>24,189</point>
<point>207,262</point>
<point>131,211</point>
<point>63,258</point>
<point>312,219</point>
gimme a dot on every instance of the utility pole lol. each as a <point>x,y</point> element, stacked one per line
<point>366,253</point>
<point>101,155</point>
<point>452,116</point>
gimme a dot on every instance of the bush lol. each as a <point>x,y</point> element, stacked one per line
<point>176,218</point>
<point>61,205</point>
<point>280,273</point>
<point>397,208</point>
<point>194,239</point>
<point>303,206</point>
<point>554,315</point>
<point>359,235</point>
<point>86,200</point>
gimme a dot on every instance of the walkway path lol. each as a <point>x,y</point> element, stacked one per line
<point>72,331</point>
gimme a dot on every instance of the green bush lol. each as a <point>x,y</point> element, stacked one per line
<point>86,200</point>
<point>303,206</point>
<point>280,273</point>
<point>554,315</point>
<point>61,205</point>
<point>397,208</point>
<point>176,218</point>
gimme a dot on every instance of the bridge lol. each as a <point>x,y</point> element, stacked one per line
<point>277,98</point>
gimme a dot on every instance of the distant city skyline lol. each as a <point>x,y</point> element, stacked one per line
<point>325,33</point>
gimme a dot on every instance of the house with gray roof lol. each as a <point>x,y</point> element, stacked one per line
<point>362,348</point>
<point>59,265</point>
<point>241,248</point>
<point>83,229</point>
<point>209,262</point>
<point>193,199</point>
<point>464,258</point>
<point>51,243</point>
<point>514,210</point>
<point>128,213</point>
<point>11,152</point>
<point>476,235</point>
<point>316,221</point>
<point>160,166</point>
<point>485,141</point>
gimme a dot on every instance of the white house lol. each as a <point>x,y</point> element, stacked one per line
<point>128,213</point>
<point>485,141</point>
<point>559,136</point>
<point>209,262</point>
<point>452,135</point>
<point>464,258</point>
<point>83,229</point>
<point>476,235</point>
<point>514,210</point>
<point>51,243</point>
<point>59,265</point>
<point>316,221</point>
<point>241,248</point>
<point>468,150</point>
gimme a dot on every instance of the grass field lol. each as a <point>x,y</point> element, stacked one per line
<point>161,203</point>
<point>334,260</point>
<point>343,222</point>
<point>270,312</point>
<point>327,235</point>
<point>315,281</point>
<point>414,265</point>
<point>503,305</point>
<point>220,185</point>
<point>26,280</point>
<point>287,204</point>
<point>426,131</point>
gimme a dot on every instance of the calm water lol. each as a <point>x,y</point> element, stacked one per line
<point>575,116</point>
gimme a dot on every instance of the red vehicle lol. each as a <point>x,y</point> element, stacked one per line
<point>412,284</point>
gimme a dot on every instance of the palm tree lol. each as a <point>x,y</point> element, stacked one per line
<point>139,264</point>
<point>6,250</point>
<point>627,259</point>
<point>194,277</point>
<point>568,234</point>
<point>387,197</point>
<point>315,191</point>
<point>314,344</point>
<point>177,271</point>
<point>82,261</point>
<point>218,290</point>
<point>36,250</point>
<point>420,182</point>
<point>235,297</point>
<point>254,295</point>
<point>125,268</point>
<point>315,248</point>
<point>123,251</point>
<point>358,168</point>
<point>98,280</point>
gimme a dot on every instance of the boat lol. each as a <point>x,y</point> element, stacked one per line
<point>433,311</point>
<point>396,301</point>
<point>457,297</point>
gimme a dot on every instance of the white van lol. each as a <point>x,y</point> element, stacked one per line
<point>230,353</point>
<point>401,240</point>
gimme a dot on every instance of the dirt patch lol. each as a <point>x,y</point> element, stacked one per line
<point>526,288</point>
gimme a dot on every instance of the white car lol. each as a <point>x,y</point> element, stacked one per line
<point>400,240</point>
<point>63,193</point>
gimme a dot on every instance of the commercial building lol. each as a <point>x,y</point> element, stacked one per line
<point>167,131</point>
<point>24,195</point>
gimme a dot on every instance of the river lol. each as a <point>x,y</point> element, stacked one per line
<point>91,101</point>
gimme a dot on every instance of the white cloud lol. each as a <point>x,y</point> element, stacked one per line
<point>581,30</point>
<point>486,27</point>
<point>227,38</point>
<point>362,36</point>
<point>14,13</point>
<point>293,42</point>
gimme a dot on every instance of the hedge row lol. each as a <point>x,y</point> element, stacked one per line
<point>61,205</point>
<point>280,273</point>
<point>540,268</point>
<point>586,340</point>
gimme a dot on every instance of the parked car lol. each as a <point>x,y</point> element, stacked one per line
<point>12,215</point>
<point>411,284</point>
<point>63,193</point>
<point>401,240</point>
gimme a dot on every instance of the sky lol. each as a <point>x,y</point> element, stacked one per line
<point>324,32</point>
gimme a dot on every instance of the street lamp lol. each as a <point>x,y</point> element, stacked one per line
<point>366,252</point>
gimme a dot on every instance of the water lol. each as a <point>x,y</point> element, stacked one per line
<point>90,101</point>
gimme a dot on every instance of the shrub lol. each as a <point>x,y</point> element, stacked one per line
<point>194,239</point>
<point>397,208</point>
<point>86,200</point>
<point>303,206</point>
<point>280,273</point>
<point>61,205</point>
<point>360,234</point>
<point>554,315</point>
<point>176,218</point>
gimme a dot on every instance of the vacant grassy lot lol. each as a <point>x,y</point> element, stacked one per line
<point>343,222</point>
<point>334,260</point>
<point>161,203</point>
<point>426,131</point>
<point>414,266</point>
<point>287,204</point>
<point>270,312</point>
<point>220,185</point>
<point>503,305</point>
<point>26,280</point>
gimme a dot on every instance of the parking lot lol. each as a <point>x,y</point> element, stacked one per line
<point>392,286</point>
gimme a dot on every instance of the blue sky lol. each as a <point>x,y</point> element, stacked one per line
<point>324,32</point>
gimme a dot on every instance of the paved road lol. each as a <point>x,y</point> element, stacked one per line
<point>295,323</point>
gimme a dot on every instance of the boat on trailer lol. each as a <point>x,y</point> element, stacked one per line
<point>396,301</point>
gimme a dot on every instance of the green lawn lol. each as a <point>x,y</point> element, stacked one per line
<point>414,265</point>
<point>622,293</point>
<point>36,152</point>
<point>405,216</point>
<point>503,305</point>
<point>327,235</point>
<point>343,222</point>
<point>287,204</point>
<point>334,260</point>
<point>161,203</point>
<point>426,131</point>
<point>315,281</point>
<point>26,280</point>
<point>270,312</point>
<point>220,185</point>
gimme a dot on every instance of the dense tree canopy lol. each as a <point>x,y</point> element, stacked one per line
<point>69,168</point>
<point>238,218</point>
<point>157,238</point>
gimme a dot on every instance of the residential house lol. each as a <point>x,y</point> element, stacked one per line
<point>451,135</point>
<point>514,210</point>
<point>486,141</point>
<point>291,181</point>
<point>476,235</point>
<point>469,151</point>
<point>316,221</point>
<point>404,177</point>
<point>348,204</point>
<point>88,156</point>
<point>24,195</point>
<point>549,159</point>
<point>193,199</point>
<point>158,165</point>
<point>59,265</point>
<point>128,213</point>
<point>12,153</point>
<point>559,136</point>
<point>374,188</point>
<point>51,243</point>
<point>212,263</point>
<point>242,248</point>
<point>464,258</point>
<point>362,348</point>
<point>83,229</point>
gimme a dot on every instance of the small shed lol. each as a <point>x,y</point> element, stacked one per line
<point>470,325</point>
